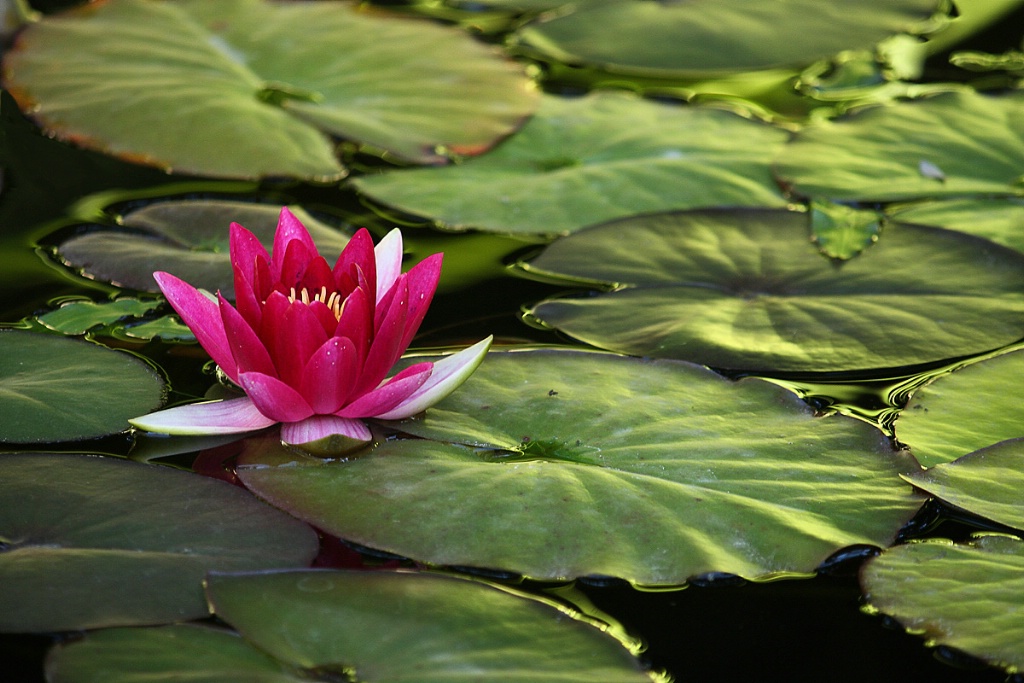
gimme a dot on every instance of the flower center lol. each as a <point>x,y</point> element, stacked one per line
<point>333,301</point>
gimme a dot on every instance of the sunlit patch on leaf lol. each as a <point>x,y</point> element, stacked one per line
<point>746,290</point>
<point>91,542</point>
<point>965,411</point>
<point>1000,220</point>
<point>80,316</point>
<point>57,389</point>
<point>653,471</point>
<point>591,159</point>
<point>841,231</point>
<point>962,596</point>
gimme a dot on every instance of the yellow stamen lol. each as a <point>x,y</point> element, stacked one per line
<point>333,301</point>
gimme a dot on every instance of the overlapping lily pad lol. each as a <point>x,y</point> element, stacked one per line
<point>368,626</point>
<point>988,483</point>
<point>705,38</point>
<point>89,542</point>
<point>747,290</point>
<point>965,411</point>
<point>953,144</point>
<point>654,471</point>
<point>188,238</point>
<point>1000,220</point>
<point>963,596</point>
<point>80,316</point>
<point>57,389</point>
<point>591,159</point>
<point>249,88</point>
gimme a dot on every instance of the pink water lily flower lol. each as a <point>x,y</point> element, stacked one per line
<point>312,345</point>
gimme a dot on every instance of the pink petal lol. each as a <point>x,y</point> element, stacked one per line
<point>289,229</point>
<point>298,335</point>
<point>356,322</point>
<point>297,259</point>
<point>213,417</point>
<point>358,254</point>
<point>273,313</point>
<point>388,255</point>
<point>330,375</point>
<point>202,315</point>
<point>448,374</point>
<point>386,348</point>
<point>389,394</point>
<point>274,398</point>
<point>248,258</point>
<point>422,280</point>
<point>323,426</point>
<point>248,351</point>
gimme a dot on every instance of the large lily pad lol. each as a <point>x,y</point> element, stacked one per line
<point>1000,220</point>
<point>747,290</point>
<point>367,626</point>
<point>970,597</point>
<point>965,411</point>
<point>89,542</point>
<point>249,88</point>
<point>956,143</point>
<point>591,159</point>
<point>702,38</point>
<point>988,483</point>
<point>57,389</point>
<point>653,471</point>
<point>188,238</point>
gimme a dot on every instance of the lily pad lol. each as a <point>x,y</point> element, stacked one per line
<point>595,464</point>
<point>988,483</point>
<point>78,317</point>
<point>58,389</point>
<point>963,596</point>
<point>368,626</point>
<point>1000,220</point>
<point>591,159</point>
<point>953,144</point>
<point>965,411</point>
<point>249,88</point>
<point>188,238</point>
<point>703,38</point>
<point>89,542</point>
<point>746,290</point>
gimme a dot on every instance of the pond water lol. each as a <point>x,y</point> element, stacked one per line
<point>719,628</point>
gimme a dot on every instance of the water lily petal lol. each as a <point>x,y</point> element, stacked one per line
<point>213,417</point>
<point>357,254</point>
<point>388,255</point>
<point>446,377</point>
<point>202,315</point>
<point>356,322</point>
<point>274,398</point>
<point>389,394</point>
<point>246,348</point>
<point>289,229</point>
<point>297,336</point>
<point>386,348</point>
<point>330,375</point>
<point>248,258</point>
<point>297,260</point>
<point>422,280</point>
<point>322,426</point>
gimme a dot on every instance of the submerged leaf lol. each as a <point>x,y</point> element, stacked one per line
<point>653,471</point>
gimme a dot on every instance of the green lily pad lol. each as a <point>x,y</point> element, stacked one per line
<point>248,88</point>
<point>89,542</point>
<point>953,144</point>
<point>698,39</point>
<point>1000,220</point>
<point>58,389</point>
<point>842,232</point>
<point>78,317</point>
<point>970,597</point>
<point>591,159</point>
<point>367,626</point>
<point>595,464</point>
<point>965,411</point>
<point>746,290</point>
<point>188,238</point>
<point>988,483</point>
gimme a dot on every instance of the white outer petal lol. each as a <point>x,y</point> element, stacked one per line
<point>388,254</point>
<point>322,426</point>
<point>233,416</point>
<point>447,375</point>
